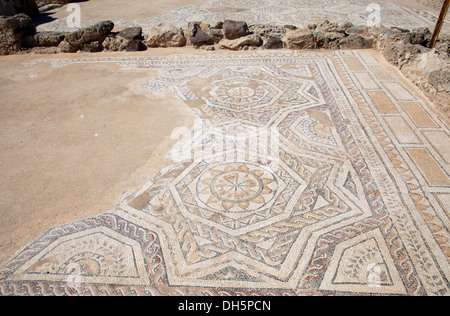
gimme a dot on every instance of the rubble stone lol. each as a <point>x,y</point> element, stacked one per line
<point>164,35</point>
<point>300,39</point>
<point>86,39</point>
<point>239,43</point>
<point>234,29</point>
<point>197,34</point>
<point>273,43</point>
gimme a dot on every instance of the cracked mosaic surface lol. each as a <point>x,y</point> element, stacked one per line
<point>353,200</point>
<point>277,12</point>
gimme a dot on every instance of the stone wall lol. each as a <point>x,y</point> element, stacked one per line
<point>428,68</point>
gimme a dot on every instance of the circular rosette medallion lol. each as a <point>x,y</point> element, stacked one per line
<point>243,93</point>
<point>236,187</point>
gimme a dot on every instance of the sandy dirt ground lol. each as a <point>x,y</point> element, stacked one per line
<point>117,9</point>
<point>73,139</point>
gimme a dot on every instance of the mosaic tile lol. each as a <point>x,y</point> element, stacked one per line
<point>276,12</point>
<point>353,199</point>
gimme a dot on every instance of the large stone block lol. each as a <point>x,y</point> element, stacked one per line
<point>198,34</point>
<point>300,39</point>
<point>273,43</point>
<point>49,39</point>
<point>129,39</point>
<point>236,44</point>
<point>165,35</point>
<point>234,29</point>
<point>355,41</point>
<point>77,40</point>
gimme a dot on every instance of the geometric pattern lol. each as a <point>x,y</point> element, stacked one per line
<point>248,94</point>
<point>276,12</point>
<point>353,201</point>
<point>360,265</point>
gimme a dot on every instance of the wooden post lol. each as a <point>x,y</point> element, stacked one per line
<point>439,23</point>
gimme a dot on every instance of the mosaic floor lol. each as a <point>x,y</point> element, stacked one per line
<point>276,12</point>
<point>305,173</point>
